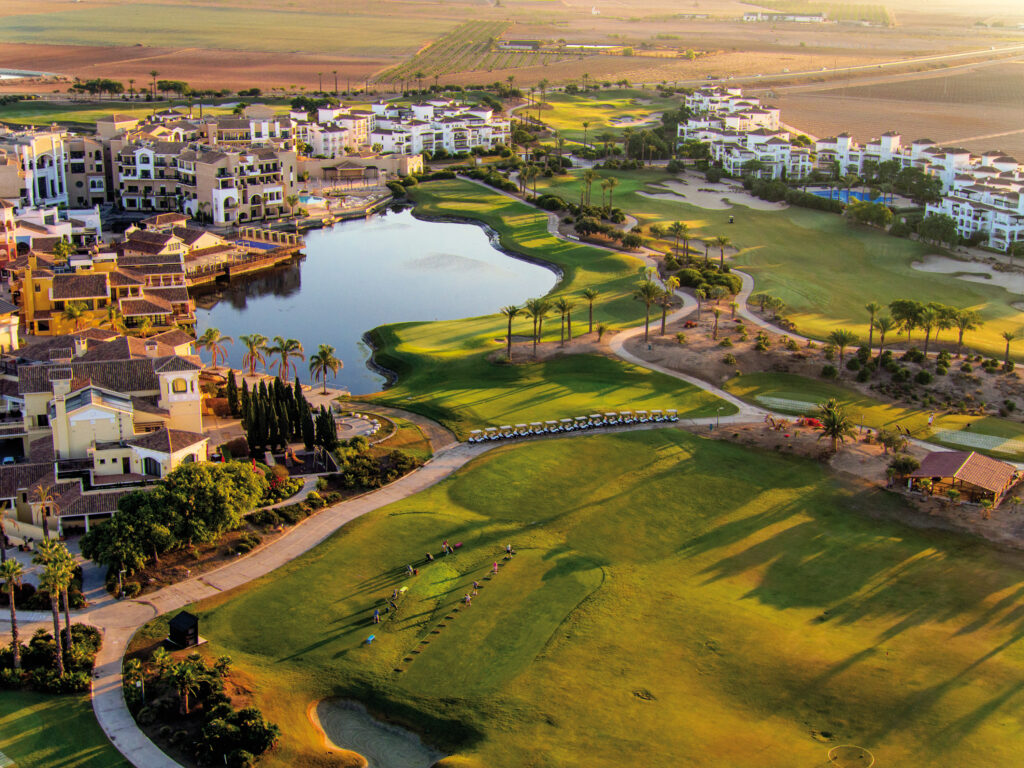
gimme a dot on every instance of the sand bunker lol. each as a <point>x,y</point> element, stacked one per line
<point>712,197</point>
<point>628,121</point>
<point>971,271</point>
<point>349,726</point>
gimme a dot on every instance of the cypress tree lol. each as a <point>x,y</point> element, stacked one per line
<point>246,404</point>
<point>232,392</point>
<point>273,429</point>
<point>284,419</point>
<point>262,423</point>
<point>308,430</point>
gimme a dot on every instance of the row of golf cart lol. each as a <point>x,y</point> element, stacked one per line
<point>593,421</point>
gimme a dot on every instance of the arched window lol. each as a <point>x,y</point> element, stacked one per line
<point>179,386</point>
<point>151,466</point>
<point>189,459</point>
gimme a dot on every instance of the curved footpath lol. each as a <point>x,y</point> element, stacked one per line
<point>119,620</point>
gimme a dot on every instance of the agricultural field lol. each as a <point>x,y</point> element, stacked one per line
<point>39,730</point>
<point>878,15</point>
<point>974,107</point>
<point>825,269</point>
<point>672,600</point>
<point>444,370</point>
<point>470,47</point>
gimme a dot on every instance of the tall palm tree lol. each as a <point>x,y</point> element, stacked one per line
<point>585,126</point>
<point>214,342</point>
<point>255,346</point>
<point>153,74</point>
<point>46,498</point>
<point>286,349</point>
<point>52,580</point>
<point>115,319</point>
<point>700,294</point>
<point>590,294</point>
<point>510,313</point>
<point>836,423</point>
<point>926,320</point>
<point>535,309</point>
<point>561,307</point>
<point>52,551</point>
<point>589,177</point>
<point>842,338</point>
<point>74,312</point>
<point>569,307</point>
<point>145,327</point>
<point>648,293</point>
<point>722,241</point>
<point>966,320</point>
<point>665,300</point>
<point>873,308</point>
<point>11,572</point>
<point>291,201</point>
<point>678,230</point>
<point>884,324</point>
<point>545,306</point>
<point>612,183</point>
<point>1009,336</point>
<point>324,361</point>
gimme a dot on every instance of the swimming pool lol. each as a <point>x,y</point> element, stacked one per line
<point>845,195</point>
<point>312,200</point>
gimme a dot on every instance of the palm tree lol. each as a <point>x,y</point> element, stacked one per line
<point>53,551</point>
<point>612,183</point>
<point>873,308</point>
<point>291,201</point>
<point>648,293</point>
<point>966,320</point>
<point>145,327</point>
<point>214,342</point>
<point>185,678</point>
<point>842,338</point>
<point>926,320</point>
<point>836,424</point>
<point>700,294</point>
<point>535,309</point>
<point>569,307</point>
<point>561,307</point>
<point>11,572</point>
<point>47,500</point>
<point>286,349</point>
<point>510,312</point>
<point>733,306</point>
<point>1009,336</point>
<point>665,300</point>
<point>679,230</point>
<point>585,126</point>
<point>74,312</point>
<point>545,306</point>
<point>52,580</point>
<point>590,294</point>
<point>324,361</point>
<point>153,73</point>
<point>589,177</point>
<point>131,87</point>
<point>255,346</point>
<point>717,313</point>
<point>115,319</point>
<point>884,324</point>
<point>722,241</point>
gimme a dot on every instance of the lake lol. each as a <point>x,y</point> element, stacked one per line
<point>357,275</point>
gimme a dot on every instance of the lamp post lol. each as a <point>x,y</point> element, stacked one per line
<point>120,582</point>
<point>141,685</point>
<point>718,416</point>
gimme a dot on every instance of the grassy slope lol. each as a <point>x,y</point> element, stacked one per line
<point>42,731</point>
<point>443,370</point>
<point>44,113</point>
<point>824,269</point>
<point>675,601</point>
<point>866,410</point>
<point>253,30</point>
<point>569,111</point>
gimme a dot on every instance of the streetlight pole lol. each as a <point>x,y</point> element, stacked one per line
<point>718,416</point>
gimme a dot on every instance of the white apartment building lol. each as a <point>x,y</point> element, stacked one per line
<point>36,171</point>
<point>437,124</point>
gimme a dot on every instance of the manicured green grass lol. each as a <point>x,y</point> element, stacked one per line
<point>251,30</point>
<point>443,368</point>
<point>43,731</point>
<point>570,111</point>
<point>823,268</point>
<point>867,411</point>
<point>674,601</point>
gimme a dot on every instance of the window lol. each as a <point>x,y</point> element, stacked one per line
<point>42,420</point>
<point>179,386</point>
<point>151,466</point>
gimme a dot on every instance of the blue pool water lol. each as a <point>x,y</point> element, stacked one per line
<point>845,195</point>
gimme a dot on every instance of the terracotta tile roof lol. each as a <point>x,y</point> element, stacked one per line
<point>98,334</point>
<point>144,307</point>
<point>124,348</point>
<point>167,440</point>
<point>93,502</point>
<point>174,338</point>
<point>178,294</point>
<point>969,467</point>
<point>147,405</point>
<point>128,376</point>
<point>164,220</point>
<point>176,364</point>
<point>121,278</point>
<point>148,260</point>
<point>80,287</point>
<point>19,476</point>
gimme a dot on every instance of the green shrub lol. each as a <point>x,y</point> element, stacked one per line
<point>923,377</point>
<point>726,342</point>
<point>729,359</point>
<point>829,372</point>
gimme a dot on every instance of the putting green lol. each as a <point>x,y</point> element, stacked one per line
<point>674,601</point>
<point>443,368</point>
